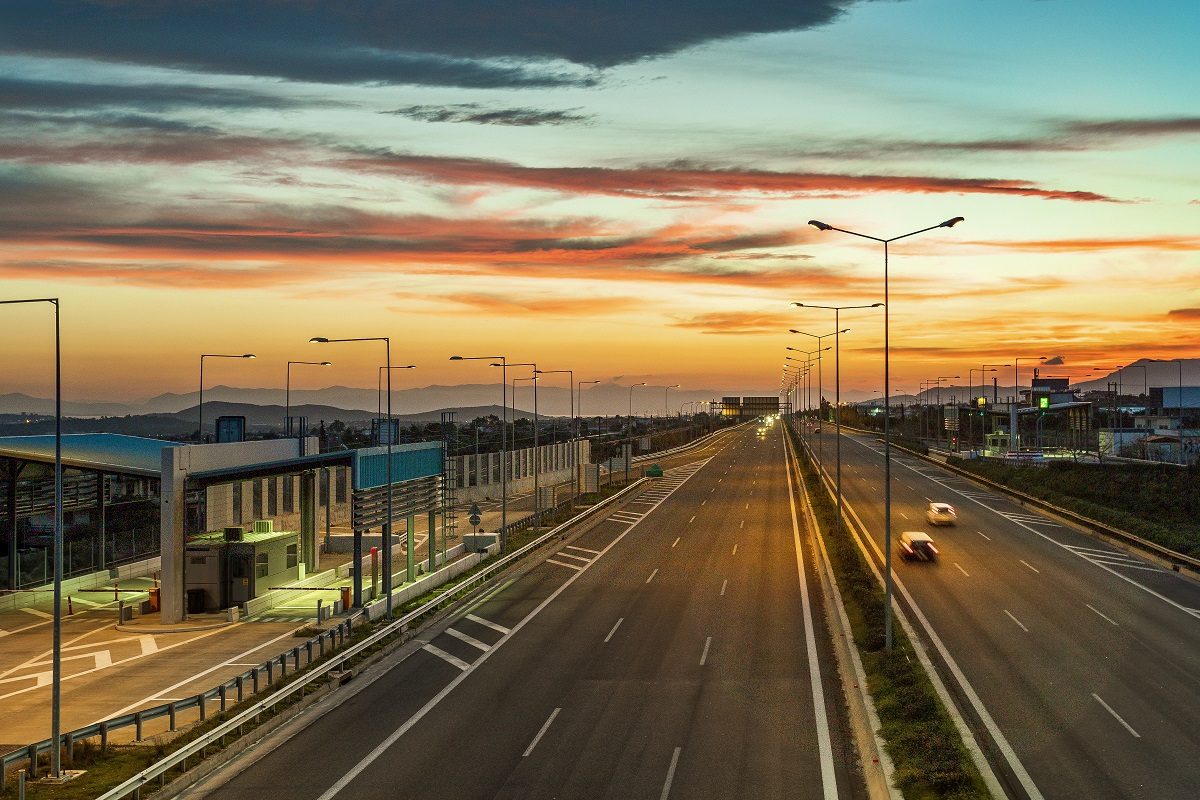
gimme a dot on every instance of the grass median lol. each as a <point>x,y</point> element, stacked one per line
<point>929,757</point>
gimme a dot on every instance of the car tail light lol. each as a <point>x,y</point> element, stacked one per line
<point>906,547</point>
<point>950,509</point>
<point>934,549</point>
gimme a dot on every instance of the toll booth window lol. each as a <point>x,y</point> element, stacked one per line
<point>260,565</point>
<point>272,496</point>
<point>289,494</point>
<point>292,555</point>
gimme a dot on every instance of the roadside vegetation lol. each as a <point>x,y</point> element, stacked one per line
<point>929,757</point>
<point>1159,503</point>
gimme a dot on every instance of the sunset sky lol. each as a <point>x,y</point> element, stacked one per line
<point>616,187</point>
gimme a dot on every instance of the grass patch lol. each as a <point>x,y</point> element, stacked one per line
<point>928,754</point>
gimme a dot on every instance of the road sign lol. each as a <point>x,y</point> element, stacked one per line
<point>473,519</point>
<point>475,512</point>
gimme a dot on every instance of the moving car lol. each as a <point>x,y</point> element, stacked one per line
<point>917,545</point>
<point>941,514</point>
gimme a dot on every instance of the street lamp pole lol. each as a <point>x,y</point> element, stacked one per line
<point>579,389</point>
<point>379,388</point>
<point>503,442</point>
<point>837,390</point>
<point>887,408</point>
<point>200,408</point>
<point>1014,437</point>
<point>820,388</point>
<point>287,403</point>
<point>56,645</point>
<point>537,456</point>
<point>629,432</point>
<point>387,527</point>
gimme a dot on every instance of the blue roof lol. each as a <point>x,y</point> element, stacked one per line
<point>106,452</point>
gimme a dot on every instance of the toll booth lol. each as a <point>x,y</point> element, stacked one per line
<point>227,568</point>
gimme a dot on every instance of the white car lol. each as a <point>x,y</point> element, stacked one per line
<point>917,545</point>
<point>941,514</point>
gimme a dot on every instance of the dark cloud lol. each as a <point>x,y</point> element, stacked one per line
<point>480,43</point>
<point>478,115</point>
<point>46,95</point>
<point>1184,313</point>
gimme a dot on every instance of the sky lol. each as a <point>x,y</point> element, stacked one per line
<point>614,187</point>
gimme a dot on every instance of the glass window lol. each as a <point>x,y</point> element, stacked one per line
<point>272,496</point>
<point>292,555</point>
<point>289,497</point>
<point>260,565</point>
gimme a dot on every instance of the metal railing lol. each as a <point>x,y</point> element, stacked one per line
<point>132,786</point>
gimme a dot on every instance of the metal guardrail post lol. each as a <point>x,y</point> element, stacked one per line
<point>137,726</point>
<point>71,748</point>
<point>201,699</point>
<point>308,648</point>
<point>240,686</point>
<point>270,670</point>
<point>254,679</point>
<point>104,736</point>
<point>221,695</point>
<point>33,773</point>
<point>171,716</point>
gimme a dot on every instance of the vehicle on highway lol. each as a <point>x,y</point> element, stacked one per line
<point>917,545</point>
<point>941,514</point>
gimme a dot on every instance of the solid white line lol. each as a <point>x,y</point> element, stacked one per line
<point>676,541</point>
<point>652,574</point>
<point>904,515</point>
<point>724,583</point>
<point>404,728</point>
<point>1102,616</point>
<point>540,733</point>
<point>471,640</point>
<point>36,613</point>
<point>1116,716</point>
<point>582,549</point>
<point>447,657</point>
<point>743,524</point>
<point>1014,619</point>
<point>1031,566</point>
<point>670,774</point>
<point>824,745</point>
<point>693,519</point>
<point>734,550</point>
<point>614,629</point>
<point>704,655</point>
<point>960,569</point>
<point>487,624</point>
<point>984,535</point>
<point>702,502</point>
<point>563,564</point>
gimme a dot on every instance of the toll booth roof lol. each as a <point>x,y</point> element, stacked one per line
<point>248,537</point>
<point>103,452</point>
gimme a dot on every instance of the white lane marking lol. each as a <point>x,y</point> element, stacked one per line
<point>582,549</point>
<point>720,479</point>
<point>670,774</point>
<point>702,502</point>
<point>407,725</point>
<point>1102,615</point>
<point>960,569</point>
<point>1116,716</point>
<point>724,583</point>
<point>743,525</point>
<point>563,564</point>
<point>37,613</point>
<point>734,550</point>
<point>984,535</point>
<point>584,559</point>
<point>824,743</point>
<point>904,515</point>
<point>1031,566</point>
<point>693,519</point>
<point>471,640</point>
<point>487,624</point>
<point>614,630</point>
<point>149,646</point>
<point>652,574</point>
<point>677,538</point>
<point>747,505</point>
<point>704,655</point>
<point>1014,619</point>
<point>449,658</point>
<point>540,733</point>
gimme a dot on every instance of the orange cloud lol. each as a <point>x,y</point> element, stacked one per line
<point>736,323</point>
<point>1174,243</point>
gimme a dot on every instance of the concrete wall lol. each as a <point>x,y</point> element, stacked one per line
<point>479,476</point>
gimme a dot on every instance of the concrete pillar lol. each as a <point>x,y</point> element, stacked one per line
<point>173,505</point>
<point>308,522</point>
<point>358,567</point>
<point>432,544</point>
<point>12,472</point>
<point>410,528</point>
<point>100,519</point>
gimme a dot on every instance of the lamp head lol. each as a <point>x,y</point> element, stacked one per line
<point>876,305</point>
<point>326,364</point>
<point>319,339</point>
<point>821,226</point>
<point>456,358</point>
<point>950,223</point>
<point>249,355</point>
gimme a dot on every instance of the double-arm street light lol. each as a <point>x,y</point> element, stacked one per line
<point>200,408</point>
<point>579,390</point>
<point>387,525</point>
<point>56,644</point>
<point>287,402</point>
<point>666,404</point>
<point>820,388</point>
<point>503,442</point>
<point>379,388</point>
<point>629,432</point>
<point>570,390</point>
<point>887,409</point>
<point>996,390</point>
<point>537,456</point>
<point>837,389</point>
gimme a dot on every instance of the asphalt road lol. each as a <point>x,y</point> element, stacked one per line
<point>662,653</point>
<point>1084,655</point>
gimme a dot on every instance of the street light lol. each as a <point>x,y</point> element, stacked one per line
<point>996,390</point>
<point>503,442</point>
<point>537,455</point>
<point>1014,435</point>
<point>579,390</point>
<point>971,391</point>
<point>379,389</point>
<point>200,410</point>
<point>287,403</point>
<point>387,527</point>
<point>941,408</point>
<point>820,389</point>
<point>629,432</point>
<point>56,646</point>
<point>666,405</point>
<point>887,407</point>
<point>837,390</point>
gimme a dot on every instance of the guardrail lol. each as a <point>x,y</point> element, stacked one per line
<point>336,662</point>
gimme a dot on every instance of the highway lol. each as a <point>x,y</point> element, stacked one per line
<point>1084,656</point>
<point>671,650</point>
